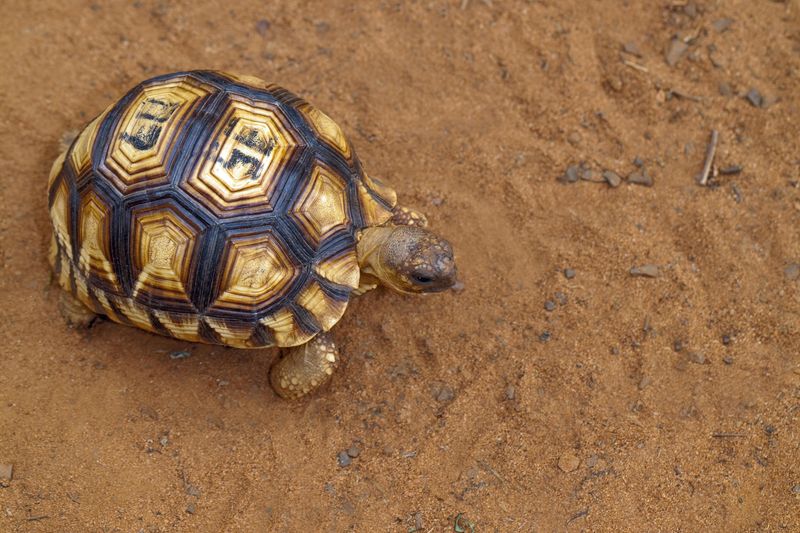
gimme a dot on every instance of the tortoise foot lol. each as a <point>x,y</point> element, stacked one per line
<point>405,216</point>
<point>74,312</point>
<point>303,369</point>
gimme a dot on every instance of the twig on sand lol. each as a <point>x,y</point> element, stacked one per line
<point>636,66</point>
<point>710,152</point>
<point>685,96</point>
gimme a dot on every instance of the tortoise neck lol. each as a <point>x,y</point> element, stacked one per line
<point>369,247</point>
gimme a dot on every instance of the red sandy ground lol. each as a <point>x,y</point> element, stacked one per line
<point>471,113</point>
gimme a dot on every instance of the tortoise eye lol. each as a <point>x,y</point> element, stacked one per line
<point>422,279</point>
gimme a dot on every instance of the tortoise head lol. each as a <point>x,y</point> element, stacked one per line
<point>408,259</point>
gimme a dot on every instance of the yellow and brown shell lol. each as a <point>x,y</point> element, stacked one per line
<point>213,208</point>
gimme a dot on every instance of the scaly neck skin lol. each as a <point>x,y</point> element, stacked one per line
<point>369,250</point>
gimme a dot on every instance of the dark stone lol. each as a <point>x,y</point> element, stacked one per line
<point>792,271</point>
<point>632,48</point>
<point>721,25</point>
<point>640,178</point>
<point>612,178</point>
<point>343,459</point>
<point>755,98</point>
<point>675,51</point>
<point>732,169</point>
<point>262,26</point>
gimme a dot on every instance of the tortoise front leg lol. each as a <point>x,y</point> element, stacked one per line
<point>74,312</point>
<point>302,369</point>
<point>405,216</point>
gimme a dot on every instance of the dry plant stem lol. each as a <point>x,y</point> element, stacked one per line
<point>710,152</point>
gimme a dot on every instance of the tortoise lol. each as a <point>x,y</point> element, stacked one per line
<point>217,208</point>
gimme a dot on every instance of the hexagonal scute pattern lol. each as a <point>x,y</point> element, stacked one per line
<point>94,241</point>
<point>327,129</point>
<point>257,270</point>
<point>244,158</point>
<point>141,141</point>
<point>322,208</point>
<point>81,153</point>
<point>161,251</point>
<point>213,207</point>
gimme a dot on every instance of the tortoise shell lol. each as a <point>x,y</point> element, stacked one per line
<point>213,208</point>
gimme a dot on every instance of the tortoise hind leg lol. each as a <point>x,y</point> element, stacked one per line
<point>74,311</point>
<point>303,369</point>
<point>67,139</point>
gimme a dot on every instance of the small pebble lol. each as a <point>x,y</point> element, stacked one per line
<point>631,48</point>
<point>568,462</point>
<point>640,178</point>
<point>728,360</point>
<point>677,345</point>
<point>769,429</point>
<point>180,354</point>
<point>675,51</point>
<point>732,169</point>
<point>612,178</point>
<point>353,451</point>
<point>725,89</point>
<point>796,489</point>
<point>638,161</point>
<point>574,138</point>
<point>697,357</point>
<point>191,508</point>
<point>343,459</point>
<point>570,175</point>
<point>721,25</point>
<point>792,271</point>
<point>511,393</point>
<point>645,381</point>
<point>647,271</point>
<point>592,461</point>
<point>549,305</point>
<point>569,273</point>
<point>6,472</point>
<point>726,339</point>
<point>587,174</point>
<point>458,286</point>
<point>561,298</point>
<point>191,490</point>
<point>544,336</point>
<point>445,394</point>
<point>148,412</point>
<point>262,26</point>
<point>755,98</point>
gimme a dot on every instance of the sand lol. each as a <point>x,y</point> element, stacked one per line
<point>667,403</point>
